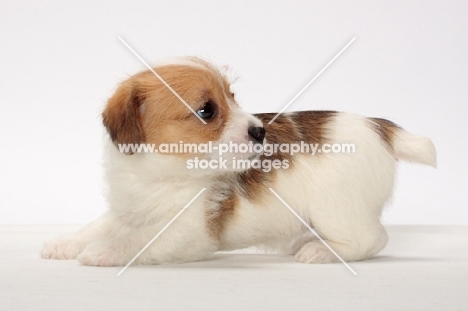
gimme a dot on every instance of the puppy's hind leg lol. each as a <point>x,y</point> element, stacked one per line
<point>357,245</point>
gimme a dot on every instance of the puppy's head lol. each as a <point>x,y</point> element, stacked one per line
<point>144,110</point>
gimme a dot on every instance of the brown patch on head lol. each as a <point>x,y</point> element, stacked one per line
<point>169,121</point>
<point>386,130</point>
<point>290,128</point>
<point>121,116</point>
<point>165,119</point>
<point>222,78</point>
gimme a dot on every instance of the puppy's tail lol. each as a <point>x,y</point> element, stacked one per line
<point>414,148</point>
<point>406,146</point>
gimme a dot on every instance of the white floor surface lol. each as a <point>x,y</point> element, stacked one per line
<point>422,268</point>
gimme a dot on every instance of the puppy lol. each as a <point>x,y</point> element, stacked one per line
<point>340,195</point>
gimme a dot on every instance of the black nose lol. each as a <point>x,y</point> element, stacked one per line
<point>257,133</point>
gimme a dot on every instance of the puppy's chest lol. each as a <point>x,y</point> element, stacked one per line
<point>224,198</point>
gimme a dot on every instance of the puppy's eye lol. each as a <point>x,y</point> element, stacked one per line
<point>207,111</point>
<point>233,94</point>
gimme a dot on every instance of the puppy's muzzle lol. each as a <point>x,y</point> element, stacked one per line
<point>257,134</point>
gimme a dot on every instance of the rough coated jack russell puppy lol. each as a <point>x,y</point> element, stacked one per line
<point>341,195</point>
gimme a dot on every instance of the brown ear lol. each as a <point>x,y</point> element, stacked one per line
<point>122,116</point>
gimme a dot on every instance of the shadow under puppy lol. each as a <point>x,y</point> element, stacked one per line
<point>340,195</point>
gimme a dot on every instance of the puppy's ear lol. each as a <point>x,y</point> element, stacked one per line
<point>122,115</point>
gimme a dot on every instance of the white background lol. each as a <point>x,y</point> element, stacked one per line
<point>61,61</point>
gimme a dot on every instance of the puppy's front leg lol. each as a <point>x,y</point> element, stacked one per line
<point>186,239</point>
<point>69,246</point>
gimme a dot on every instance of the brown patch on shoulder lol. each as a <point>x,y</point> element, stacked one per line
<point>289,128</point>
<point>386,130</point>
<point>221,207</point>
<point>254,183</point>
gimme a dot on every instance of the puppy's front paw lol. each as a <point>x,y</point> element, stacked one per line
<point>103,255</point>
<point>315,252</point>
<point>62,248</point>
